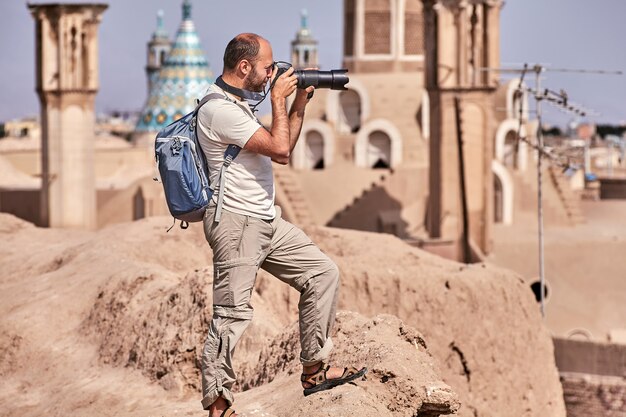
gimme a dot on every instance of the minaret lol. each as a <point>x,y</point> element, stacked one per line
<point>304,47</point>
<point>462,40</point>
<point>182,79</point>
<point>158,49</point>
<point>383,36</point>
<point>66,48</point>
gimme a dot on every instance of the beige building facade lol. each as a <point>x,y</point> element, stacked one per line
<point>407,61</point>
<point>373,135</point>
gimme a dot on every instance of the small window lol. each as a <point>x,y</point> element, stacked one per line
<point>314,150</point>
<point>379,150</point>
<point>536,289</point>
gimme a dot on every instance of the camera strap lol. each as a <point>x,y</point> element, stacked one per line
<point>239,92</point>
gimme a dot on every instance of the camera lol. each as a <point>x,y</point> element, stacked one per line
<point>334,79</point>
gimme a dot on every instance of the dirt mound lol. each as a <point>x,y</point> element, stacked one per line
<point>482,322</point>
<point>9,344</point>
<point>128,307</point>
<point>402,375</point>
<point>10,224</point>
<point>148,324</point>
<point>402,379</point>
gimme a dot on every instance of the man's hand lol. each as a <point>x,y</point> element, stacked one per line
<point>285,84</point>
<point>303,96</point>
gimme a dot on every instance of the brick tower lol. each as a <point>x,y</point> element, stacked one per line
<point>67,83</point>
<point>462,40</point>
<point>383,35</point>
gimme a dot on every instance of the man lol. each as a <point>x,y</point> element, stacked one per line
<point>250,233</point>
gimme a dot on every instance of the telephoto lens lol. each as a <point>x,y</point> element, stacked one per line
<point>334,79</point>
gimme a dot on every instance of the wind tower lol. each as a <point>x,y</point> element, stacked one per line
<point>304,47</point>
<point>158,49</point>
<point>382,36</point>
<point>462,40</point>
<point>66,44</point>
<point>182,79</point>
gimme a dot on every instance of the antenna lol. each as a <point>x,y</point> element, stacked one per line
<point>559,99</point>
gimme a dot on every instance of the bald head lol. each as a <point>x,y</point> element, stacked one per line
<point>243,46</point>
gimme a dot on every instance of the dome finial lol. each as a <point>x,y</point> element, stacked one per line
<point>304,16</point>
<point>160,19</point>
<point>160,30</point>
<point>186,10</point>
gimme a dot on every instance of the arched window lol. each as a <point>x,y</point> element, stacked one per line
<point>502,193</point>
<point>515,99</point>
<point>350,111</point>
<point>497,199</point>
<point>315,147</point>
<point>510,149</point>
<point>314,153</point>
<point>379,150</point>
<point>378,145</point>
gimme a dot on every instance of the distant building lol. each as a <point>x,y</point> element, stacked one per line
<point>121,124</point>
<point>28,127</point>
<point>158,49</point>
<point>585,131</point>
<point>304,47</point>
<point>183,77</point>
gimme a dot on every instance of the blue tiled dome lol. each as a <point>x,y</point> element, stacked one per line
<point>183,78</point>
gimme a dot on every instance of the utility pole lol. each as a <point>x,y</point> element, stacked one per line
<point>561,100</point>
<point>538,99</point>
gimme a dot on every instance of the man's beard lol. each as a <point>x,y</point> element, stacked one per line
<point>254,84</point>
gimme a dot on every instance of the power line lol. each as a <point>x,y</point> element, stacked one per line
<point>560,100</point>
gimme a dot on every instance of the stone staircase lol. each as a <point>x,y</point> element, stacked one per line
<point>336,220</point>
<point>298,210</point>
<point>569,198</point>
<point>554,210</point>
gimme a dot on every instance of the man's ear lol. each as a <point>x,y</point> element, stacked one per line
<point>245,67</point>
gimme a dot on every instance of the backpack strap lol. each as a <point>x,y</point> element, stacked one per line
<point>231,153</point>
<point>207,98</point>
<point>201,103</point>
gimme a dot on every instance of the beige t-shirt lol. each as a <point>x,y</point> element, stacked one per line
<point>249,186</point>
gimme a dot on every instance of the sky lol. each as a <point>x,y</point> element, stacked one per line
<point>571,34</point>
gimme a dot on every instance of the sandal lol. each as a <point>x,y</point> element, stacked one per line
<point>228,412</point>
<point>320,382</point>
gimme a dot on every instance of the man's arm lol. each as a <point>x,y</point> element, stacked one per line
<point>276,143</point>
<point>296,115</point>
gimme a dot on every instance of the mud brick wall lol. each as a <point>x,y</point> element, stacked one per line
<point>594,395</point>
<point>593,376</point>
<point>612,188</point>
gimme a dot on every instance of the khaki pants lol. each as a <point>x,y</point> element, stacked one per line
<point>241,245</point>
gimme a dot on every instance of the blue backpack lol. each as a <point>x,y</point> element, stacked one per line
<point>183,168</point>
